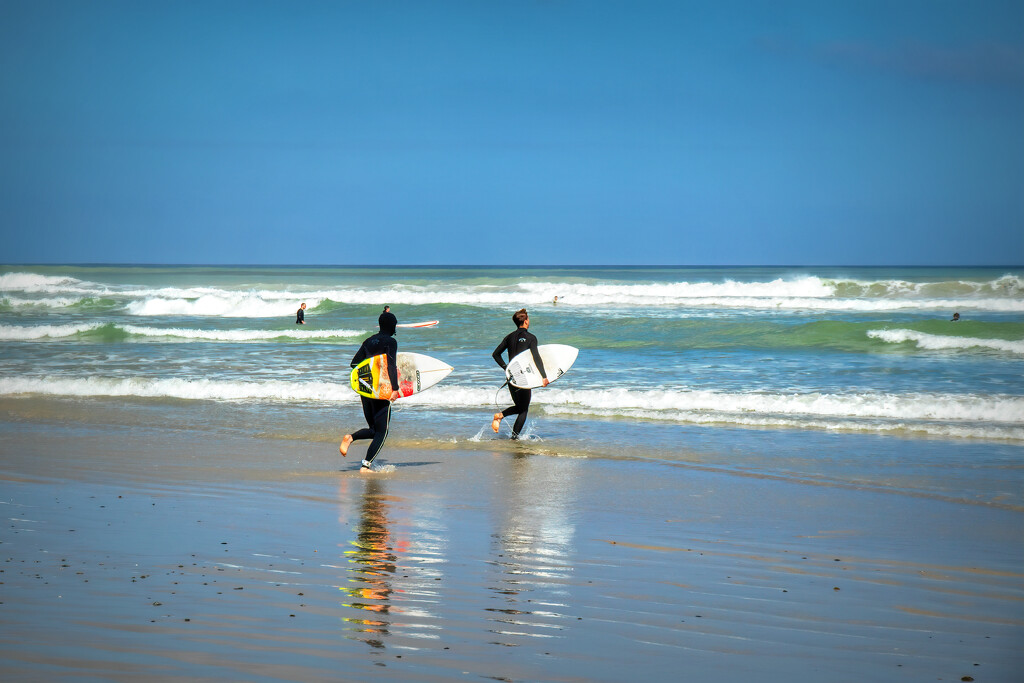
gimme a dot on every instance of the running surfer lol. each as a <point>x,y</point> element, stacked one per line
<point>377,411</point>
<point>515,343</point>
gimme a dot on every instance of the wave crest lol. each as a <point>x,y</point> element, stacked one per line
<point>27,333</point>
<point>933,342</point>
<point>1002,294</point>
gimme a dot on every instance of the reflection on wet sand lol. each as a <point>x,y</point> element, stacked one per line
<point>532,548</point>
<point>372,567</point>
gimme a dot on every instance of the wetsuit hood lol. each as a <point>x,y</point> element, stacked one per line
<point>387,322</point>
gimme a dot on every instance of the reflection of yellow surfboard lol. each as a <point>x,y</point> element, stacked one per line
<point>416,373</point>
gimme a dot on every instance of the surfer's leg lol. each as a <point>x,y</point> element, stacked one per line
<point>521,397</point>
<point>366,432</point>
<point>381,419</point>
<point>508,412</point>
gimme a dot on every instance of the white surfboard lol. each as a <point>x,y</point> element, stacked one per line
<point>425,323</point>
<point>416,373</point>
<point>522,371</point>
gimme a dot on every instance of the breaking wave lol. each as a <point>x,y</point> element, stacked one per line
<point>1003,294</point>
<point>928,414</point>
<point>944,342</point>
<point>24,333</point>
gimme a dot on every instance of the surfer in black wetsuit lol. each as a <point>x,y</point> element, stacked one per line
<point>515,343</point>
<point>300,315</point>
<point>376,411</point>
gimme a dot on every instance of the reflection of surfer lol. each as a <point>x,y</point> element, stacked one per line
<point>515,343</point>
<point>376,411</point>
<point>374,563</point>
<point>300,315</point>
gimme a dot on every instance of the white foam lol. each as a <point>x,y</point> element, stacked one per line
<point>221,305</point>
<point>239,335</point>
<point>32,282</point>
<point>900,427</point>
<point>919,406</point>
<point>51,302</point>
<point>945,342</point>
<point>950,415</point>
<point>199,389</point>
<point>1004,294</point>
<point>23,333</point>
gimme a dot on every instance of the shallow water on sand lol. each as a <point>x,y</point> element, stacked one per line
<point>161,552</point>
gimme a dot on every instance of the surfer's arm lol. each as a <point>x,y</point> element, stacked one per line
<point>360,355</point>
<point>392,352</point>
<point>536,359</point>
<point>498,351</point>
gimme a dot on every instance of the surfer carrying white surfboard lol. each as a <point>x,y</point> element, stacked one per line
<point>377,411</point>
<point>515,343</point>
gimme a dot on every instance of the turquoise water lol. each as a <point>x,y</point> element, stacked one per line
<point>665,353</point>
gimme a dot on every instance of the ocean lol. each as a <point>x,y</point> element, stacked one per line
<point>687,364</point>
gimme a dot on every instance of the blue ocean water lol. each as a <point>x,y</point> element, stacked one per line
<point>668,355</point>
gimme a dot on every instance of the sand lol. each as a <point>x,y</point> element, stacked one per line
<point>134,553</point>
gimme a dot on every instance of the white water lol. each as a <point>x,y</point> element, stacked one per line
<point>1000,417</point>
<point>1004,294</point>
<point>30,332</point>
<point>943,342</point>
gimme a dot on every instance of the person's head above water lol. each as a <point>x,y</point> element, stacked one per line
<point>388,322</point>
<point>520,317</point>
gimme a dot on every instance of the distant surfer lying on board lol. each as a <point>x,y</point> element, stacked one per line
<point>377,411</point>
<point>515,343</point>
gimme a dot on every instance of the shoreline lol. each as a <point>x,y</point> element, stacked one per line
<point>514,565</point>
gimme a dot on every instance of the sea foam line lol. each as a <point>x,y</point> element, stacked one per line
<point>1004,294</point>
<point>196,389</point>
<point>239,335</point>
<point>25,333</point>
<point>30,332</point>
<point>863,405</point>
<point>938,415</point>
<point>965,408</point>
<point>943,342</point>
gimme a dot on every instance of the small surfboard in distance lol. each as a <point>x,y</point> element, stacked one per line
<point>416,373</point>
<point>522,371</point>
<point>426,323</point>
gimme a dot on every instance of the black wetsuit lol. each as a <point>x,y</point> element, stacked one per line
<point>300,317</point>
<point>515,343</point>
<point>378,411</point>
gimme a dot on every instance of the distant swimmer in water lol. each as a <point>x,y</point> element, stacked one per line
<point>300,315</point>
<point>956,317</point>
<point>556,300</point>
<point>376,411</point>
<point>515,343</point>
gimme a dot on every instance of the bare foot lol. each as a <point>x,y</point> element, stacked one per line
<point>346,441</point>
<point>496,422</point>
<point>364,470</point>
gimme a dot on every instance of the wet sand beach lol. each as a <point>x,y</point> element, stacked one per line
<point>159,553</point>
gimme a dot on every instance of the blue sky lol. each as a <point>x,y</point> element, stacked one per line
<point>524,132</point>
